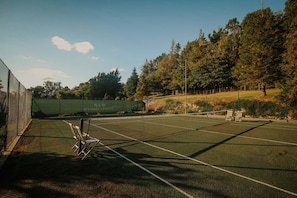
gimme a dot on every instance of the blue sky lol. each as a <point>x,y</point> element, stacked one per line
<point>71,41</point>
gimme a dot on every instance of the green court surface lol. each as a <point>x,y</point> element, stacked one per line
<point>155,156</point>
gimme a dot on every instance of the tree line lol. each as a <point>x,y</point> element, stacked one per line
<point>258,53</point>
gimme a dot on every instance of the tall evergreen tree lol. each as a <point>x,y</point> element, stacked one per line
<point>147,80</point>
<point>131,84</point>
<point>289,93</point>
<point>167,67</point>
<point>195,53</point>
<point>260,46</point>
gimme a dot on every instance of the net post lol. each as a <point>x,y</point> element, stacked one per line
<point>81,124</point>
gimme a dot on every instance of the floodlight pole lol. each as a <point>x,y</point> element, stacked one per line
<point>185,86</point>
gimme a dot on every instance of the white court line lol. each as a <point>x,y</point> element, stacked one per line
<point>200,162</point>
<point>276,126</point>
<point>227,134</point>
<point>253,138</point>
<point>148,171</point>
<point>144,169</point>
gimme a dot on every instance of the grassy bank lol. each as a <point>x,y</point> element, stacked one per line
<point>224,100</point>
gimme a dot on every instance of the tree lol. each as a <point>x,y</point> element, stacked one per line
<point>48,90</point>
<point>132,83</point>
<point>148,80</point>
<point>82,91</point>
<point>194,54</point>
<point>289,93</point>
<point>166,68</point>
<point>38,92</point>
<point>65,93</point>
<point>260,46</point>
<point>105,86</point>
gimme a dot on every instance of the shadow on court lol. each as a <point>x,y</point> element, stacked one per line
<point>225,140</point>
<point>43,165</point>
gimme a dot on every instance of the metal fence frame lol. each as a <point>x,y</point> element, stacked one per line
<point>15,107</point>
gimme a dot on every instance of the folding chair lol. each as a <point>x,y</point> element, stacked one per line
<point>229,115</point>
<point>75,136</point>
<point>77,146</point>
<point>238,116</point>
<point>87,143</point>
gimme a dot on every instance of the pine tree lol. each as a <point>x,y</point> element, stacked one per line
<point>289,93</point>
<point>131,84</point>
<point>260,49</point>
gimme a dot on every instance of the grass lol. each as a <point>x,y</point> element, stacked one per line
<point>43,164</point>
<point>158,102</point>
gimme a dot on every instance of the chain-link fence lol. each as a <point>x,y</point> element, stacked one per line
<point>15,107</point>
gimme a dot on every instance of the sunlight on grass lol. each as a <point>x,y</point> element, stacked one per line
<point>216,98</point>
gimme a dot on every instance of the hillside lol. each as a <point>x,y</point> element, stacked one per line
<point>157,102</point>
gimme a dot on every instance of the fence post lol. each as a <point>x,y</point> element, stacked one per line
<point>7,111</point>
<point>18,108</point>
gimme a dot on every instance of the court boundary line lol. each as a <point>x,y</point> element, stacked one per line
<point>148,171</point>
<point>201,162</point>
<point>144,169</point>
<point>227,134</point>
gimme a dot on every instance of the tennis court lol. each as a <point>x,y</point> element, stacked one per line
<point>166,156</point>
<point>199,156</point>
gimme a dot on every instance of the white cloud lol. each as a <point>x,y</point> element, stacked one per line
<point>36,76</point>
<point>93,57</point>
<point>119,69</point>
<point>61,44</point>
<point>81,47</point>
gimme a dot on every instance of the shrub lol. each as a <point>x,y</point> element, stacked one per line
<point>203,106</point>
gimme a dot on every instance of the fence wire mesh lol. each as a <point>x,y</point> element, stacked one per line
<point>15,107</point>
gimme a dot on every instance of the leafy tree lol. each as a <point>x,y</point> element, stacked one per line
<point>105,86</point>
<point>48,90</point>
<point>82,91</point>
<point>65,93</point>
<point>38,92</point>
